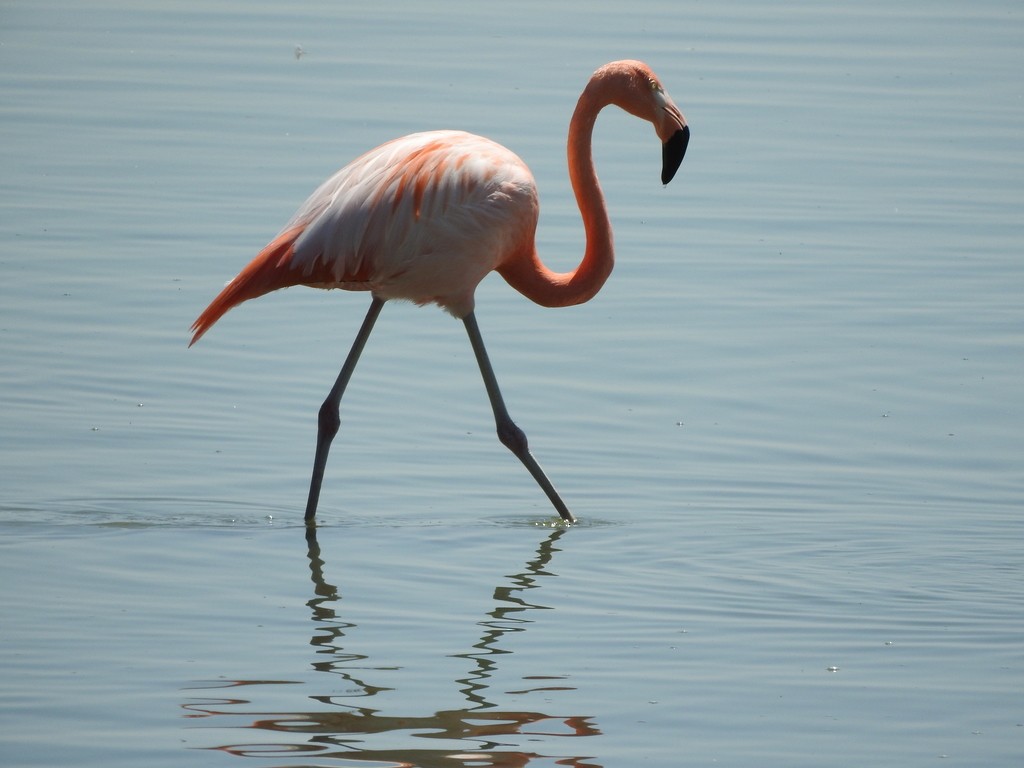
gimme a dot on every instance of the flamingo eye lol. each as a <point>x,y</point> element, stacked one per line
<point>655,85</point>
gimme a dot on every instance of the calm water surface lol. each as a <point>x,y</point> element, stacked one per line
<point>791,423</point>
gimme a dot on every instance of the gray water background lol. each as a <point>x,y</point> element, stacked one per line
<point>791,423</point>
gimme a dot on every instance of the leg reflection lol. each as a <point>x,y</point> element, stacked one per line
<point>508,616</point>
<point>331,628</point>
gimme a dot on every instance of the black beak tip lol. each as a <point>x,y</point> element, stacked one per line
<point>672,153</point>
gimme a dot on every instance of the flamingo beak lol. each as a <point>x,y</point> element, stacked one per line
<point>672,152</point>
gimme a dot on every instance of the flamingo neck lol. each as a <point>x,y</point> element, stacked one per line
<point>530,276</point>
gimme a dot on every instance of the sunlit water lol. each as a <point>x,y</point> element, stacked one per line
<point>791,423</point>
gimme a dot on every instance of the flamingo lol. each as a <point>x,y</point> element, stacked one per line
<point>425,217</point>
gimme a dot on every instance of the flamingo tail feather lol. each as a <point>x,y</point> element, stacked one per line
<point>266,273</point>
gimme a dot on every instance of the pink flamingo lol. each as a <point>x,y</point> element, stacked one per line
<point>425,217</point>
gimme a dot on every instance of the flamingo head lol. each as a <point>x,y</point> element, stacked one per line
<point>633,86</point>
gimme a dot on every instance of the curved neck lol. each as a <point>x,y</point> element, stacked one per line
<point>529,276</point>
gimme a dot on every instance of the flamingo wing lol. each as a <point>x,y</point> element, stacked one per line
<point>422,218</point>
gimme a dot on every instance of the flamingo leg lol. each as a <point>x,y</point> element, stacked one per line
<point>329,418</point>
<point>511,436</point>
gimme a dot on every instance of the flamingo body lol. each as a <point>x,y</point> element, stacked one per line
<point>426,217</point>
<point>422,218</point>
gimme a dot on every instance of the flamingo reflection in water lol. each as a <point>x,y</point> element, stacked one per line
<point>343,731</point>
